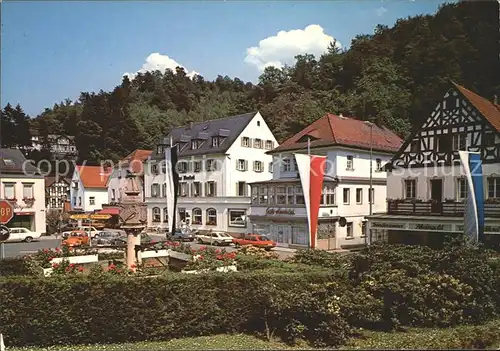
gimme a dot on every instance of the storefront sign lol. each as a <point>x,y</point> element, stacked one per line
<point>488,229</point>
<point>432,227</point>
<point>387,225</point>
<point>280,211</point>
<point>188,177</point>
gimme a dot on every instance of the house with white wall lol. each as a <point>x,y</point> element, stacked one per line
<point>217,160</point>
<point>427,188</point>
<point>88,191</point>
<point>278,207</point>
<point>23,186</point>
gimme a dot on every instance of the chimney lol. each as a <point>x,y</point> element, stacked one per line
<point>191,125</point>
<point>495,99</point>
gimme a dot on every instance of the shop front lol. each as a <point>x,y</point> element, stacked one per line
<point>23,220</point>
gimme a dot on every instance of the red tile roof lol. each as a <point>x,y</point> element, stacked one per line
<point>136,159</point>
<point>488,109</point>
<point>332,130</point>
<point>93,176</point>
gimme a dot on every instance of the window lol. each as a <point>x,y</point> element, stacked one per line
<point>328,197</point>
<point>195,144</point>
<point>281,195</point>
<point>410,188</point>
<point>182,167</point>
<point>359,196</point>
<point>349,230</point>
<point>8,191</point>
<point>489,139</point>
<point>415,146</point>
<point>155,190</point>
<point>286,165</point>
<point>245,141</point>
<point>364,228</point>
<point>255,194</point>
<point>164,190</point>
<point>258,123</point>
<point>197,166</point>
<point>241,165</point>
<point>462,189</point>
<point>79,201</point>
<point>290,195</point>
<point>27,191</point>
<point>378,165</point>
<point>196,189</point>
<point>215,141</point>
<point>159,149</point>
<point>346,196</point>
<point>74,200</point>
<point>263,195</point>
<point>299,196</point>
<point>237,218</point>
<point>257,143</point>
<point>444,143</point>
<point>156,214</point>
<point>211,216</point>
<point>182,214</point>
<point>270,167</point>
<point>196,215</point>
<point>371,195</point>
<point>165,215</point>
<point>113,196</point>
<point>241,188</point>
<point>459,142</point>
<point>258,166</point>
<point>269,144</point>
<point>211,189</point>
<point>210,165</point>
<point>183,186</point>
<point>494,187</point>
<point>92,201</point>
<point>350,163</point>
<point>154,170</point>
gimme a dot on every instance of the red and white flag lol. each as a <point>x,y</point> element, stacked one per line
<point>312,172</point>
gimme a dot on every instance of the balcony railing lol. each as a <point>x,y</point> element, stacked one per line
<point>433,208</point>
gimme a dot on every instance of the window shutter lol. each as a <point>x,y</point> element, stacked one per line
<point>246,165</point>
<point>206,189</point>
<point>242,141</point>
<point>215,188</point>
<point>237,189</point>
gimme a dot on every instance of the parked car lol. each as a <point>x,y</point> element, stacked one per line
<point>77,238</point>
<point>88,229</point>
<point>181,235</point>
<point>257,240</point>
<point>22,234</point>
<point>215,238</point>
<point>108,237</point>
<point>122,240</point>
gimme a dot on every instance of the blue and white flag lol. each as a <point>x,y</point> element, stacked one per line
<point>171,185</point>
<point>474,209</point>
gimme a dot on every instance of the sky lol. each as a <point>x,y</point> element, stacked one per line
<point>51,51</point>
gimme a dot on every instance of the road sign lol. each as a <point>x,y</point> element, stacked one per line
<point>4,233</point>
<point>6,212</point>
<point>79,216</point>
<point>100,216</point>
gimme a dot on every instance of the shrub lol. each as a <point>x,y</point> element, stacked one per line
<point>81,309</point>
<point>14,266</point>
<point>321,258</point>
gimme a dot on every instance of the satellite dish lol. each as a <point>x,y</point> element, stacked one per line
<point>342,221</point>
<point>4,233</point>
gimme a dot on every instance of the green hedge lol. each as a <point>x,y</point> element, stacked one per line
<point>81,309</point>
<point>14,266</point>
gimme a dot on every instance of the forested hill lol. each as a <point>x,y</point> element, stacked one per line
<point>396,75</point>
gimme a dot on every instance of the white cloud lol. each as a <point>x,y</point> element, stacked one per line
<point>281,48</point>
<point>157,61</point>
<point>381,11</point>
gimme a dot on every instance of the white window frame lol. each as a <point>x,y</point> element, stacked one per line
<point>211,216</point>
<point>360,192</point>
<point>269,144</point>
<point>346,191</point>
<point>241,165</point>
<point>10,186</point>
<point>245,187</point>
<point>349,233</point>
<point>197,212</point>
<point>92,200</point>
<point>183,189</point>
<point>459,142</point>
<point>287,165</point>
<point>257,143</point>
<point>196,193</point>
<point>215,141</point>
<point>258,166</point>
<point>350,163</point>
<point>232,223</point>
<point>156,215</point>
<point>461,185</point>
<point>496,181</point>
<point>211,192</point>
<point>405,188</point>
<point>246,142</point>
<point>378,165</point>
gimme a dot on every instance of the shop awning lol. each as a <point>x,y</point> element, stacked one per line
<point>110,211</point>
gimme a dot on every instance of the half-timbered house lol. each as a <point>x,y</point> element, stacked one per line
<point>426,185</point>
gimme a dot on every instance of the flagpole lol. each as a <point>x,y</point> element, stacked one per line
<point>308,146</point>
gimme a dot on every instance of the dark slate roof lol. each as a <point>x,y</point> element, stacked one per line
<point>12,160</point>
<point>229,127</point>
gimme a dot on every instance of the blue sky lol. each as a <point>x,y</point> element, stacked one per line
<point>54,50</point>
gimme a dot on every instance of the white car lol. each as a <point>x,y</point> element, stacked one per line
<point>215,238</point>
<point>22,234</point>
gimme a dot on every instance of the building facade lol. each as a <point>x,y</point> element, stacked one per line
<point>57,193</point>
<point>278,207</point>
<point>24,187</point>
<point>60,146</point>
<point>88,191</point>
<point>218,159</point>
<point>427,188</point>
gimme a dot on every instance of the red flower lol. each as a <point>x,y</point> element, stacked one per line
<point>118,271</point>
<point>71,265</point>
<point>203,248</point>
<point>219,257</point>
<point>55,265</point>
<point>217,251</point>
<point>153,241</point>
<point>68,269</point>
<point>51,258</point>
<point>111,266</point>
<point>80,269</point>
<point>45,250</point>
<point>201,257</point>
<point>133,266</point>
<point>58,249</point>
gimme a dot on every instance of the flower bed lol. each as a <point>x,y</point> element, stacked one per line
<point>209,259</point>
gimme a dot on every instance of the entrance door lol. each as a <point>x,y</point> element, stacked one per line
<point>437,196</point>
<point>282,234</point>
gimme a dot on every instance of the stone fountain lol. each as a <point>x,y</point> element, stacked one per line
<point>133,216</point>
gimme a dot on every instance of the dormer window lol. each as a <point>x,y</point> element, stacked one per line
<point>159,149</point>
<point>196,144</point>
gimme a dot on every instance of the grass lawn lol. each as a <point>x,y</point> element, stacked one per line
<point>481,337</point>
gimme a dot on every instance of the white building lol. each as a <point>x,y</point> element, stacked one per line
<point>278,207</point>
<point>61,146</point>
<point>24,187</point>
<point>426,184</point>
<point>132,164</point>
<point>88,190</point>
<point>217,161</point>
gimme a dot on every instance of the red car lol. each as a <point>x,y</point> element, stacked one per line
<point>256,240</point>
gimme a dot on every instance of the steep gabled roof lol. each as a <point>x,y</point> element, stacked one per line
<point>333,130</point>
<point>488,109</point>
<point>229,128</point>
<point>93,176</point>
<point>136,160</point>
<point>12,161</point>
